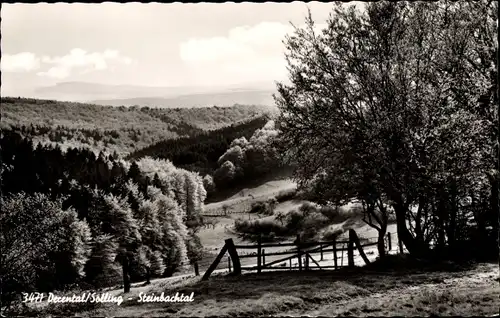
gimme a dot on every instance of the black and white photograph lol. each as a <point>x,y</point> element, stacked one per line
<point>253,159</point>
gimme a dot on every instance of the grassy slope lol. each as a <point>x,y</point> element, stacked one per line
<point>397,291</point>
<point>242,200</point>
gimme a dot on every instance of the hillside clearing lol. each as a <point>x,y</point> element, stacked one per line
<point>243,199</point>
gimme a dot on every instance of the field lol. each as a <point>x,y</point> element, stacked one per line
<point>243,200</point>
<point>213,238</point>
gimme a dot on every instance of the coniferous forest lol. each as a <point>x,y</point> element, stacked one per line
<point>202,151</point>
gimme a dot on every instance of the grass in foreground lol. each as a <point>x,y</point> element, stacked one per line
<point>408,289</point>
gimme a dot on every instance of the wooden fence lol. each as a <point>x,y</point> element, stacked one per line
<point>298,250</point>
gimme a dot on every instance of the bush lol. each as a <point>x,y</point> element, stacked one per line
<point>341,214</point>
<point>294,220</point>
<point>331,235</point>
<point>307,208</point>
<point>266,208</point>
<point>286,195</point>
<point>258,207</point>
<point>268,230</point>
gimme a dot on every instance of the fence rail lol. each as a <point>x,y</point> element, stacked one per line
<point>302,251</point>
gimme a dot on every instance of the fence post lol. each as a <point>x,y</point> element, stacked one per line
<point>335,254</point>
<point>263,258</point>
<point>229,263</point>
<point>321,251</point>
<point>216,262</point>
<point>312,259</point>
<point>231,249</point>
<point>290,263</point>
<point>401,251</point>
<point>259,252</point>
<point>306,261</point>
<point>360,247</point>
<point>196,269</point>
<point>299,252</point>
<point>350,249</point>
<point>342,257</point>
<point>389,242</point>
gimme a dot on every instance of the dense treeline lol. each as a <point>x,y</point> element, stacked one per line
<point>248,159</point>
<point>76,218</point>
<point>201,153</point>
<point>397,107</point>
<point>110,129</point>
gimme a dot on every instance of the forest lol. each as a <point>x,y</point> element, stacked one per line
<point>91,218</point>
<point>202,151</point>
<point>84,219</point>
<point>114,129</point>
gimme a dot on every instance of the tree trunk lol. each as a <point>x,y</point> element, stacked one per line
<point>453,216</point>
<point>381,241</point>
<point>196,269</point>
<point>126,274</point>
<point>148,275</point>
<point>493,216</point>
<point>414,247</point>
<point>440,222</point>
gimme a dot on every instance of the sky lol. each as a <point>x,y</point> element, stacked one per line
<point>206,44</point>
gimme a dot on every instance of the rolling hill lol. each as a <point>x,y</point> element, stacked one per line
<point>247,97</point>
<point>169,96</point>
<point>119,129</point>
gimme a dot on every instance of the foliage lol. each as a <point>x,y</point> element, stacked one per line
<point>306,221</point>
<point>107,216</point>
<point>286,195</point>
<point>43,245</point>
<point>113,129</point>
<point>200,152</point>
<point>393,106</point>
<point>248,159</point>
<point>267,230</point>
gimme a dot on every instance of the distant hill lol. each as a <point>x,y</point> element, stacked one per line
<point>170,97</point>
<point>119,129</point>
<point>246,97</point>
<point>83,91</point>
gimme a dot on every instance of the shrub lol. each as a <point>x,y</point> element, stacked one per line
<point>258,207</point>
<point>266,208</point>
<point>340,214</point>
<point>294,220</point>
<point>331,235</point>
<point>307,208</point>
<point>268,230</point>
<point>286,195</point>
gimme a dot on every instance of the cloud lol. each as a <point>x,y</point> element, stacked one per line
<point>253,52</point>
<point>261,40</point>
<point>82,61</point>
<point>21,62</point>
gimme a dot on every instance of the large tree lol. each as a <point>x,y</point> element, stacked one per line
<point>383,107</point>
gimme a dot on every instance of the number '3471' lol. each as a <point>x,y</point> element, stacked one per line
<point>32,297</point>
